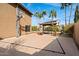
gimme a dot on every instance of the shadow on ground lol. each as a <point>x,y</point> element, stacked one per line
<point>1,38</point>
<point>54,48</point>
<point>11,52</point>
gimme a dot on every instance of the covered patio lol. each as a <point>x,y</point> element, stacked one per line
<point>47,24</point>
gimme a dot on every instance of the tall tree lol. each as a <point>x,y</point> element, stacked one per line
<point>70,5</point>
<point>53,14</point>
<point>63,6</point>
<point>43,13</point>
<point>76,17</point>
<point>40,14</point>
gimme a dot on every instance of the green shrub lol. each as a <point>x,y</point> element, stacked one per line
<point>52,28</point>
<point>55,28</point>
<point>67,28</point>
<point>48,28</point>
<point>34,28</point>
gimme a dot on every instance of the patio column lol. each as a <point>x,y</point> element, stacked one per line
<point>43,28</point>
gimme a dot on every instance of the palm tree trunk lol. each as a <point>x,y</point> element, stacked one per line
<point>70,13</point>
<point>75,17</point>
<point>65,17</point>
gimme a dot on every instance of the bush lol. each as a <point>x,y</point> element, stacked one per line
<point>54,28</point>
<point>48,28</point>
<point>34,28</point>
<point>67,28</point>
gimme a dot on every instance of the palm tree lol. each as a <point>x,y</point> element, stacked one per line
<point>37,15</point>
<point>53,14</point>
<point>63,6</point>
<point>44,13</point>
<point>70,5</point>
<point>40,14</point>
<point>76,18</point>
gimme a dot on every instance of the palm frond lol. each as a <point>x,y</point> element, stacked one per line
<point>52,13</point>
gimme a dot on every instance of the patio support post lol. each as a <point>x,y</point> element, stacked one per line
<point>43,28</point>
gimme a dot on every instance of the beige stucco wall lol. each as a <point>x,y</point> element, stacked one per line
<point>76,33</point>
<point>7,20</point>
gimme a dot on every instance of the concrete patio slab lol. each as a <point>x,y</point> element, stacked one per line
<point>38,45</point>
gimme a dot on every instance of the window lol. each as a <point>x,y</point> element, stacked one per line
<point>27,28</point>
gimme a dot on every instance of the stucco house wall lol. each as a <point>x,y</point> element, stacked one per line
<point>26,20</point>
<point>8,20</point>
<point>76,33</point>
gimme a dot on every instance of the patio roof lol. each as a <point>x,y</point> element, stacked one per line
<point>54,22</point>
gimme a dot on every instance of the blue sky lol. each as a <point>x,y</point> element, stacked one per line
<point>33,7</point>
